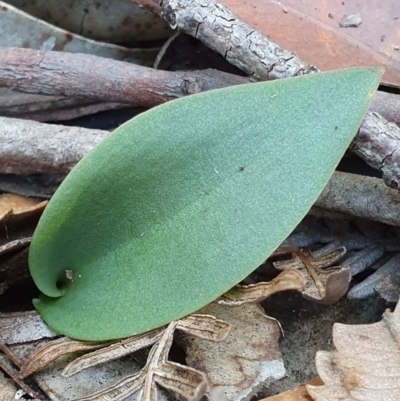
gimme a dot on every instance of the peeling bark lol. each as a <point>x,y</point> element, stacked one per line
<point>361,196</point>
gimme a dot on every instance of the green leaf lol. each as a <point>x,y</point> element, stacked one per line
<point>185,200</point>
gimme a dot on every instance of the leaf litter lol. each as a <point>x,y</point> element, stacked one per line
<point>365,365</point>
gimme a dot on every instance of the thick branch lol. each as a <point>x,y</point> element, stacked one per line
<point>29,147</point>
<point>257,55</point>
<point>360,196</point>
<point>101,79</point>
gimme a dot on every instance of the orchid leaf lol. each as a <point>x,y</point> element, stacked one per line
<point>184,201</point>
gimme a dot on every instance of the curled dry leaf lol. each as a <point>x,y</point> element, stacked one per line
<point>325,284</point>
<point>112,352</point>
<point>365,365</point>
<point>15,207</point>
<point>255,293</point>
<point>53,350</point>
<point>158,371</point>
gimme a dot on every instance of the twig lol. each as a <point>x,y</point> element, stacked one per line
<point>101,79</point>
<point>29,147</point>
<point>243,46</point>
<point>361,196</point>
<point>257,55</point>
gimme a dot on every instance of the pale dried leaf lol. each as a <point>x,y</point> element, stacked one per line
<point>255,293</point>
<point>16,207</point>
<point>204,326</point>
<point>53,350</point>
<point>248,359</point>
<point>325,284</point>
<point>112,352</point>
<point>365,365</point>
<point>23,327</point>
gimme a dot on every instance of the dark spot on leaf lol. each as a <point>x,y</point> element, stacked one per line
<point>148,26</point>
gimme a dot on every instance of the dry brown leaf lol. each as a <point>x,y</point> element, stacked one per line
<point>53,350</point>
<point>249,357</point>
<point>15,207</point>
<point>365,365</point>
<point>322,42</point>
<point>143,385</point>
<point>325,284</point>
<point>255,293</point>
<point>112,352</point>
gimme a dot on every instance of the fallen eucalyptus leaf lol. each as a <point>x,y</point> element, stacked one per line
<point>118,21</point>
<point>365,365</point>
<point>325,284</point>
<point>196,218</point>
<point>18,29</point>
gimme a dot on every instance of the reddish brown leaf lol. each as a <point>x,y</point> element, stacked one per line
<point>318,43</point>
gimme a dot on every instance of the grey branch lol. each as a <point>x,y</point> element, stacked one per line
<point>214,25</point>
<point>361,196</point>
<point>29,147</point>
<point>261,58</point>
